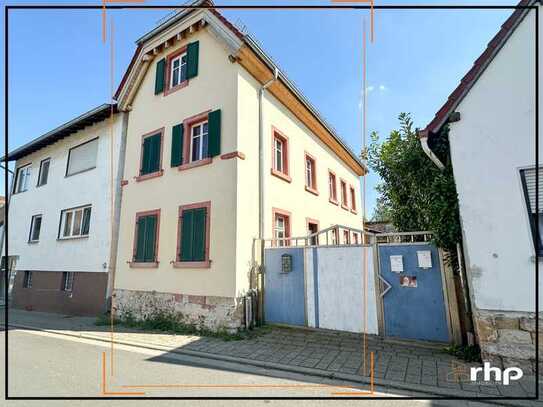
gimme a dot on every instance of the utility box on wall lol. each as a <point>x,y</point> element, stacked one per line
<point>286,263</point>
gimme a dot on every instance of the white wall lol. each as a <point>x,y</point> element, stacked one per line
<point>90,187</point>
<point>493,140</point>
<point>288,196</point>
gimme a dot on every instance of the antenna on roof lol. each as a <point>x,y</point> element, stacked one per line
<point>174,12</point>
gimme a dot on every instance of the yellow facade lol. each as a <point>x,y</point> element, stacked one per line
<point>232,185</point>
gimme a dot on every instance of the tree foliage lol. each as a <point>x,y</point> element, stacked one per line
<point>414,194</point>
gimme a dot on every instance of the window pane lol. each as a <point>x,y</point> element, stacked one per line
<point>86,221</point>
<point>195,148</point>
<point>82,157</point>
<point>44,172</point>
<point>36,227</point>
<point>77,222</point>
<point>204,146</point>
<point>175,77</point>
<point>67,223</point>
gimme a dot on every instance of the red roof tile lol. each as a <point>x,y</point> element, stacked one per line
<point>478,67</point>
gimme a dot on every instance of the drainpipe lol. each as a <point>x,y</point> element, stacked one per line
<point>261,153</point>
<point>423,136</point>
<point>261,188</point>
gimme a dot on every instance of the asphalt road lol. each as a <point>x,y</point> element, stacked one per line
<point>49,365</point>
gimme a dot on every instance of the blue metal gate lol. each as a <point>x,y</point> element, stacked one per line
<point>284,292</point>
<point>413,301</point>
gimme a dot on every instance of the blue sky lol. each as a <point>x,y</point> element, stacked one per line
<point>59,66</point>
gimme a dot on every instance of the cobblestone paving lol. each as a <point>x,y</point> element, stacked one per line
<point>400,364</point>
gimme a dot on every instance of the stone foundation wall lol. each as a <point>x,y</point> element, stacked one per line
<point>213,313</point>
<point>508,338</point>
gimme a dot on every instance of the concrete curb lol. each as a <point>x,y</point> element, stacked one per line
<point>417,388</point>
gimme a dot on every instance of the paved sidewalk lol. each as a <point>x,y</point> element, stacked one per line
<point>405,366</point>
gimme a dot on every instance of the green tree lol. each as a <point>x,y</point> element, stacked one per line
<point>414,194</point>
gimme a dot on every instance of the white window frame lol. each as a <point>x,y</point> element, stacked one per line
<point>200,136</point>
<point>279,146</point>
<point>68,281</point>
<point>27,279</point>
<point>309,172</point>
<point>40,173</point>
<point>33,226</point>
<point>278,230</point>
<point>22,184</point>
<point>179,69</point>
<point>72,212</point>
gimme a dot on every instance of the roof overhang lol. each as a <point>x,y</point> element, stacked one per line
<point>248,53</point>
<point>479,66</point>
<point>89,118</point>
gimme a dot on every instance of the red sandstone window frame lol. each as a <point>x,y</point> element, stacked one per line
<point>284,173</point>
<point>188,124</point>
<point>332,189</point>
<point>169,59</point>
<point>308,222</point>
<point>352,191</point>
<point>313,188</point>
<point>287,216</point>
<point>160,171</point>
<point>145,265</point>
<point>206,263</point>
<point>344,196</point>
<point>346,237</point>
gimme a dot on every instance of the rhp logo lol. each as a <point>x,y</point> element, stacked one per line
<point>511,373</point>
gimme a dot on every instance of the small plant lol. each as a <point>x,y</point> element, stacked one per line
<point>171,322</point>
<point>469,353</point>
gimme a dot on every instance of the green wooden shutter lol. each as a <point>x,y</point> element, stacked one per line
<point>187,221</point>
<point>177,145</point>
<point>146,157</point>
<point>150,238</point>
<point>154,164</point>
<point>199,234</point>
<point>159,78</point>
<point>192,59</point>
<point>140,239</point>
<point>214,133</point>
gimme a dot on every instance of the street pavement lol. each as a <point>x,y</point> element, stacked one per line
<point>280,363</point>
<point>50,365</point>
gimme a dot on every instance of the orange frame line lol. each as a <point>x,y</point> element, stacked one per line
<point>264,386</point>
<point>365,257</point>
<point>105,392</point>
<point>358,393</point>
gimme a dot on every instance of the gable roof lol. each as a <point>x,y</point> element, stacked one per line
<point>251,56</point>
<point>479,66</point>
<point>89,118</point>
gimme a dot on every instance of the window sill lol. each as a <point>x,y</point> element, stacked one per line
<point>20,192</point>
<point>343,206</point>
<point>194,164</point>
<point>72,238</point>
<point>182,85</point>
<point>145,177</point>
<point>192,264</point>
<point>143,265</point>
<point>80,172</point>
<point>311,190</point>
<point>333,202</point>
<point>354,211</point>
<point>33,241</point>
<point>281,175</point>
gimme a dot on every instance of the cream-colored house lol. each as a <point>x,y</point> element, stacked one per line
<point>221,149</point>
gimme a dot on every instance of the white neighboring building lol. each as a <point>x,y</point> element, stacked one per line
<point>492,143</point>
<point>65,194</point>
